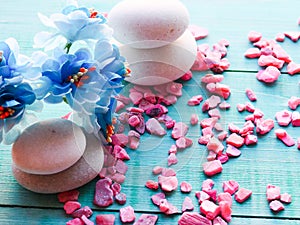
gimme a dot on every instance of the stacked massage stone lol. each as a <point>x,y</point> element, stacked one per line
<point>154,38</point>
<point>56,155</point>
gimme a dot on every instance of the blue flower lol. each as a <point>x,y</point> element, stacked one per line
<point>71,25</point>
<point>14,67</point>
<point>13,102</point>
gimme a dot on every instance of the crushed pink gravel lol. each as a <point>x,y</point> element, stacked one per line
<point>286,198</point>
<point>103,196</point>
<point>127,214</point>
<point>168,183</point>
<point>146,219</point>
<point>254,36</point>
<point>193,218</point>
<point>273,192</point>
<point>283,117</point>
<point>71,206</point>
<point>293,102</point>
<point>276,206</point>
<point>107,219</point>
<point>68,196</point>
<point>212,168</point>
<point>230,186</point>
<point>86,210</point>
<point>187,204</point>
<point>282,135</point>
<point>242,195</point>
<point>225,210</point>
<point>268,75</point>
<point>235,140</point>
<point>185,187</point>
<point>202,196</point>
<point>209,209</point>
<point>76,221</point>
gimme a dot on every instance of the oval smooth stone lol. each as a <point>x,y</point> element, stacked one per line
<point>48,146</point>
<point>148,23</point>
<point>83,171</point>
<point>161,65</point>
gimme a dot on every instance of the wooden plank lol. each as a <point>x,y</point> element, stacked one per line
<point>17,216</point>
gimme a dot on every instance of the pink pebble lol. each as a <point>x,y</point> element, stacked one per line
<point>121,198</point>
<point>133,139</point>
<point>293,68</point>
<point>173,149</point>
<point>211,156</point>
<point>209,209</point>
<point>156,198</point>
<point>195,100</point>
<point>283,117</point>
<point>250,139</point>
<point>280,53</point>
<point>200,64</point>
<point>240,107</point>
<point>223,135</point>
<point>185,187</point>
<point>146,219</point>
<point>202,196</point>
<point>183,142</point>
<point>232,151</point>
<point>251,95</point>
<point>230,186</point>
<point>193,218</point>
<point>168,172</point>
<point>280,37</point>
<point>233,128</point>
<point>203,140</point>
<point>157,170</point>
<point>293,35</point>
<point>174,88</point>
<point>187,76</point>
<point>219,221</point>
<point>120,105</point>
<point>167,208</point>
<point>242,195</point>
<point>136,97</point>
<point>223,158</point>
<point>123,99</point>
<point>264,126</point>
<point>213,101</point>
<point>155,128</point>
<point>86,220</point>
<point>169,100</point>
<point>71,206</point>
<point>68,196</point>
<point>211,78</point>
<point>168,183</point>
<point>269,75</point>
<point>180,129</point>
<point>208,122</point>
<point>172,159</point>
<point>293,102</point>
<point>276,206</point>
<point>254,36</point>
<point>212,168</point>
<point>273,192</point>
<point>134,121</point>
<point>194,119</point>
<point>286,198</point>
<point>224,42</point>
<point>252,53</point>
<point>224,105</point>
<point>235,140</point>
<point>214,113</point>
<point>127,214</point>
<point>225,210</point>
<point>224,196</point>
<point>284,137</point>
<point>207,184</point>
<point>187,204</point>
<point>295,119</point>
<point>249,107</point>
<point>76,221</point>
<point>120,153</point>
<point>198,32</point>
<point>215,145</point>
<point>261,43</point>
<point>153,185</point>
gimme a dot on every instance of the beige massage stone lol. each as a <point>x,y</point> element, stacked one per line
<point>48,147</point>
<point>161,65</point>
<point>82,172</point>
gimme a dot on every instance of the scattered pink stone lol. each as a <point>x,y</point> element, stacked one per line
<point>103,196</point>
<point>168,183</point>
<point>250,139</point>
<point>293,102</point>
<point>224,196</point>
<point>119,139</point>
<point>219,47</point>
<point>223,158</point>
<point>185,187</point>
<point>283,117</point>
<point>86,220</point>
<point>168,172</point>
<point>153,185</point>
<point>214,113</point>
<point>146,219</point>
<point>211,156</point>
<point>121,198</point>
<point>127,214</point>
<point>194,119</point>
<point>269,60</point>
<point>195,100</point>
<point>242,195</point>
<point>254,36</point>
<point>187,76</point>
<point>207,184</point>
<point>173,149</point>
<point>211,78</point>
<point>212,168</point>
<point>224,105</point>
<point>193,218</point>
<point>107,219</point>
<point>120,105</point>
<point>284,137</point>
<point>174,88</point>
<point>223,135</point>
<point>157,170</point>
<point>280,37</point>
<point>136,97</point>
<point>154,127</point>
<point>241,107</point>
<point>68,196</point>
<point>235,140</point>
<point>219,221</point>
<point>273,192</point>
<point>200,64</point>
<point>198,32</point>
<point>134,121</point>
<point>87,211</point>
<point>269,75</point>
<point>232,151</point>
<point>251,95</point>
<point>280,53</point>
<point>123,99</point>
<point>202,196</point>
<point>215,145</point>
<point>296,119</point>
<point>169,100</point>
<point>172,159</point>
<point>276,206</point>
<point>203,140</point>
<point>116,188</point>
<point>167,208</point>
<point>252,53</point>
<point>133,139</point>
<point>183,142</point>
<point>218,127</point>
<point>208,122</point>
<point>180,129</point>
<point>156,199</point>
<point>286,198</point>
<point>209,209</point>
<point>293,68</point>
<point>187,204</point>
<point>230,186</point>
<point>264,126</point>
<point>293,35</point>
<point>76,221</point>
<point>225,210</point>
<point>213,101</point>
<point>261,43</point>
<point>71,206</point>
<point>249,107</point>
<point>266,50</point>
<point>298,143</point>
<point>120,153</point>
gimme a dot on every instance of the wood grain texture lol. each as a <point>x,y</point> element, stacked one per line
<point>268,162</point>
